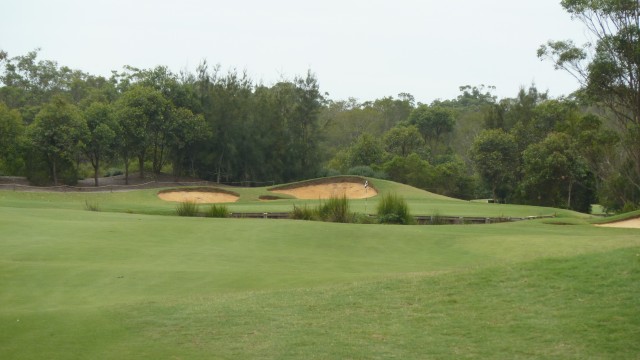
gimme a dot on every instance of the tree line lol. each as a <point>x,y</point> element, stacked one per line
<point>56,124</point>
<point>216,126</point>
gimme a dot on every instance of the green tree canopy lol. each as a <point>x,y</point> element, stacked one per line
<point>99,140</point>
<point>609,67</point>
<point>495,156</point>
<point>11,133</point>
<point>403,140</point>
<point>432,122</point>
<point>56,133</point>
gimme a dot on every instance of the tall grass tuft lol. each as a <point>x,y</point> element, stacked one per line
<point>302,213</point>
<point>187,208</point>
<point>91,206</point>
<point>217,211</point>
<point>335,209</point>
<point>393,209</point>
<point>437,219</point>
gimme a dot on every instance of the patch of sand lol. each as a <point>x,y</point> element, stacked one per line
<point>631,224</point>
<point>353,190</point>
<point>198,197</point>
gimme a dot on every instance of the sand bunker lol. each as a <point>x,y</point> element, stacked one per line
<point>631,223</point>
<point>352,190</point>
<point>200,197</point>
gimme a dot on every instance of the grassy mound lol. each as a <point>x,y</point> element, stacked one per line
<point>324,181</point>
<point>204,189</point>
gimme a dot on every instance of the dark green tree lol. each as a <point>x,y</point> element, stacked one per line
<point>98,142</point>
<point>187,130</point>
<point>556,175</point>
<point>433,122</point>
<point>403,140</point>
<point>56,133</point>
<point>144,122</point>
<point>11,135</point>
<point>494,154</point>
<point>367,150</point>
<point>608,69</point>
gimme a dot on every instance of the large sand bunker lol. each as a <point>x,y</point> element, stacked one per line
<point>200,196</point>
<point>350,189</point>
<point>631,223</point>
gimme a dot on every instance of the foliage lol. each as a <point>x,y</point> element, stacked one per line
<point>556,175</point>
<point>433,122</point>
<point>145,124</point>
<point>56,134</point>
<point>403,140</point>
<point>410,170</point>
<point>495,157</point>
<point>366,171</point>
<point>218,211</point>
<point>113,172</point>
<point>12,132</point>
<point>187,208</point>
<point>393,209</point>
<point>367,150</point>
<point>100,139</point>
<point>607,69</point>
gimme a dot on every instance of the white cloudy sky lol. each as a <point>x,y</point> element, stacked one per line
<point>361,49</point>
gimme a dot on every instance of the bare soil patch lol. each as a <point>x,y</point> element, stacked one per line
<point>630,223</point>
<point>199,195</point>
<point>350,189</point>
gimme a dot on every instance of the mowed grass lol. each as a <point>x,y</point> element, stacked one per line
<point>146,201</point>
<point>103,285</point>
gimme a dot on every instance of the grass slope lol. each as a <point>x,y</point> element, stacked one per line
<point>147,202</point>
<point>80,284</point>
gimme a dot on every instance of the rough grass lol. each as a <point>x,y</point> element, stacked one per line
<point>393,209</point>
<point>217,211</point>
<point>335,209</point>
<point>187,208</point>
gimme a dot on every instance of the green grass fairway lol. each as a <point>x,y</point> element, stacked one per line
<point>76,284</point>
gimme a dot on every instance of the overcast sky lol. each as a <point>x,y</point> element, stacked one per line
<point>362,49</point>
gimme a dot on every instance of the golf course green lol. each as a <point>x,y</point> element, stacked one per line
<point>130,280</point>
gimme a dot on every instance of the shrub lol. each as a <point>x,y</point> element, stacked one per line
<point>187,208</point>
<point>393,209</point>
<point>113,172</point>
<point>363,219</point>
<point>328,172</point>
<point>366,171</point>
<point>218,211</point>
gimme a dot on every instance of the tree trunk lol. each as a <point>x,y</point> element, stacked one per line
<point>95,172</point>
<point>141,165</point>
<point>55,172</point>
<point>126,171</point>
<point>569,196</point>
<point>219,169</point>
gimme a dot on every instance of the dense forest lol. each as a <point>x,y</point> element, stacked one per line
<point>58,125</point>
